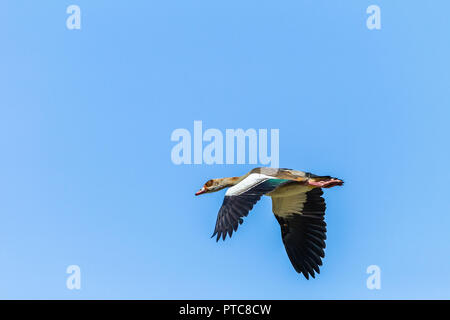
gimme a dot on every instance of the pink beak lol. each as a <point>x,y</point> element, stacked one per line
<point>202,190</point>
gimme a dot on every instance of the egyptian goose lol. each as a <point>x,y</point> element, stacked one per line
<point>296,202</point>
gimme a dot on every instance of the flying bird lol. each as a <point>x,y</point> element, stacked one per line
<point>296,202</point>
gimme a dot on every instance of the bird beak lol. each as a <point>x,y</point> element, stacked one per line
<point>199,192</point>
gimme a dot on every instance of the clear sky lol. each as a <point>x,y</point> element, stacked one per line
<point>86,116</point>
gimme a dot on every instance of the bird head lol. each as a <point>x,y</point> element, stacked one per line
<point>214,185</point>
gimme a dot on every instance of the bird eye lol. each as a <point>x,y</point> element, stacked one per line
<point>209,183</point>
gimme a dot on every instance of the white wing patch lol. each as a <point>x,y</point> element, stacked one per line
<point>249,182</point>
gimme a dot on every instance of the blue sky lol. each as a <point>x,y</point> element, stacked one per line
<point>86,118</point>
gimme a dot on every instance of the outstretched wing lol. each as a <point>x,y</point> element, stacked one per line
<point>240,199</point>
<point>301,218</point>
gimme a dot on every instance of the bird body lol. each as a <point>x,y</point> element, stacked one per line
<point>297,204</point>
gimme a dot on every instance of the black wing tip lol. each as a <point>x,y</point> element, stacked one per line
<point>234,208</point>
<point>222,235</point>
<point>307,273</point>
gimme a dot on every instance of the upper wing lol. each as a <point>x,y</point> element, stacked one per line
<point>240,199</point>
<point>283,173</point>
<point>301,218</point>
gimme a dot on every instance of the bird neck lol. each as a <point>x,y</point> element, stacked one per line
<point>229,182</point>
